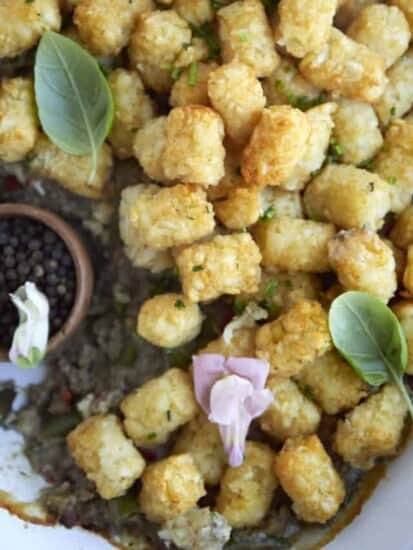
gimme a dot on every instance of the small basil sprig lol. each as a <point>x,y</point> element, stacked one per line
<point>73,98</point>
<point>369,336</point>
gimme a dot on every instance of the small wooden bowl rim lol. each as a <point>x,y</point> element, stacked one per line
<point>81,260</point>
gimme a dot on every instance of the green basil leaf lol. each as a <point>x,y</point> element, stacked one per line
<point>369,336</point>
<point>73,98</point>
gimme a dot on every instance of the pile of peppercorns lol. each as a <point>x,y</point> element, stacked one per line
<point>31,251</point>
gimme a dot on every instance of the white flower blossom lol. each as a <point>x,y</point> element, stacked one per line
<point>30,338</point>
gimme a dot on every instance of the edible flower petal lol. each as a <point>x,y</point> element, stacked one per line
<point>30,338</point>
<point>232,392</point>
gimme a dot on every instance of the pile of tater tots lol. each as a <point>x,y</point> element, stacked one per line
<point>275,141</point>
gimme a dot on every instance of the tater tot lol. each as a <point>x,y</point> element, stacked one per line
<point>18,119</point>
<point>407,8</point>
<point>383,29</point>
<point>169,320</point>
<point>304,27</point>
<point>108,458</point>
<point>170,487</point>
<point>402,232</point>
<point>394,163</point>
<point>296,338</point>
<point>373,429</point>
<point>196,12</point>
<point>321,124</point>
<point>73,172</point>
<point>149,146</point>
<point>286,85</point>
<point>158,38</point>
<point>362,261</point>
<point>408,272</point>
<point>135,249</point>
<point>397,98</point>
<point>294,245</point>
<point>200,130</point>
<point>237,95</point>
<point>246,36</point>
<point>242,344</point>
<point>291,413</point>
<point>202,440</point>
<point>279,290</point>
<point>404,312</point>
<point>185,92</point>
<point>346,67</point>
<point>356,130</point>
<point>23,23</point>
<point>156,409</point>
<point>132,109</point>
<point>348,197</point>
<point>105,26</point>
<point>241,208</point>
<point>246,492</point>
<point>227,264</point>
<point>279,202</point>
<point>332,383</point>
<point>307,475</point>
<point>171,216</point>
<point>276,146</point>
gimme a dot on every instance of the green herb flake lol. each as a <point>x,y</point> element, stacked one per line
<point>369,336</point>
<point>207,33</point>
<point>168,415</point>
<point>243,36</point>
<point>268,214</point>
<point>152,435</point>
<point>197,268</point>
<point>175,72</point>
<point>271,288</point>
<point>392,180</point>
<point>366,165</point>
<point>193,74</point>
<point>393,110</point>
<point>335,152</point>
<point>179,304</point>
<point>74,101</point>
<point>239,306</point>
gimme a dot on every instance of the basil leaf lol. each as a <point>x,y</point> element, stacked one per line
<point>73,98</point>
<point>369,336</point>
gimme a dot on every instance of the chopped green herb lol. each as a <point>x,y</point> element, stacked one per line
<point>179,304</point>
<point>239,306</point>
<point>393,110</point>
<point>335,152</point>
<point>268,214</point>
<point>206,32</point>
<point>198,268</point>
<point>151,436</point>
<point>392,180</point>
<point>273,309</point>
<point>243,36</point>
<point>271,288</point>
<point>302,102</point>
<point>193,74</point>
<point>175,72</point>
<point>315,173</point>
<point>168,415</point>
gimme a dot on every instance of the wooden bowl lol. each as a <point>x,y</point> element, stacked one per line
<point>81,260</point>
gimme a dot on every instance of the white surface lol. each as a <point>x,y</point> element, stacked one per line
<point>384,524</point>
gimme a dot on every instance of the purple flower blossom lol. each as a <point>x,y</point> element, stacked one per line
<point>232,393</point>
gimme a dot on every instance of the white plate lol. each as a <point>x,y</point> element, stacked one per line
<point>384,524</point>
